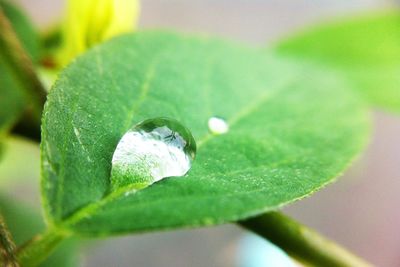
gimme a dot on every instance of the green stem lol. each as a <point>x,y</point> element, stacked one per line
<point>40,247</point>
<point>7,246</point>
<point>21,63</point>
<point>297,240</point>
<point>301,242</point>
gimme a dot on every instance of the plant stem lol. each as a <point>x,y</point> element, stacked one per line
<point>7,246</point>
<point>40,247</point>
<point>21,63</point>
<point>297,240</point>
<point>301,242</point>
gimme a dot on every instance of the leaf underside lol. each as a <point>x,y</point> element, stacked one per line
<point>293,128</point>
<point>366,49</point>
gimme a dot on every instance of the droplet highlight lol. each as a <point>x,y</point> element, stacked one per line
<point>217,125</point>
<point>150,151</point>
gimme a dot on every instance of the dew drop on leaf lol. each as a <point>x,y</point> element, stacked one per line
<point>217,125</point>
<point>152,150</point>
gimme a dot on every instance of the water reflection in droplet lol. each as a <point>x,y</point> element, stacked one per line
<point>150,151</point>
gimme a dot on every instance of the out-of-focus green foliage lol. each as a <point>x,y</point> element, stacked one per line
<point>12,172</point>
<point>366,49</point>
<point>12,95</point>
<point>23,27</point>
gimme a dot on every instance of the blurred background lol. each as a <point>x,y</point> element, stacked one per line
<point>360,211</point>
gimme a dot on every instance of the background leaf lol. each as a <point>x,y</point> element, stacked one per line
<point>17,215</point>
<point>366,49</point>
<point>292,130</point>
<point>24,29</point>
<point>12,99</point>
<point>12,95</point>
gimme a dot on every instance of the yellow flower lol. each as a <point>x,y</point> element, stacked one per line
<point>89,22</point>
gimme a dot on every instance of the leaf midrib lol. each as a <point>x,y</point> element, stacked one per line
<point>264,97</point>
<point>143,91</point>
<point>248,109</point>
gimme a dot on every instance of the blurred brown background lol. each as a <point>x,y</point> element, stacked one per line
<point>360,211</point>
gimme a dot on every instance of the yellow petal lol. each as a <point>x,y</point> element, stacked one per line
<point>89,22</point>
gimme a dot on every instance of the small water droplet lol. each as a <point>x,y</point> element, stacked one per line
<point>217,125</point>
<point>150,151</point>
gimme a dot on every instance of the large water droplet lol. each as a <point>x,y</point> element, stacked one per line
<point>150,151</point>
<point>217,125</point>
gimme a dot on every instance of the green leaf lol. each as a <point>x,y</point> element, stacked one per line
<point>12,95</point>
<point>293,129</point>
<point>24,223</point>
<point>366,49</point>
<point>12,98</point>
